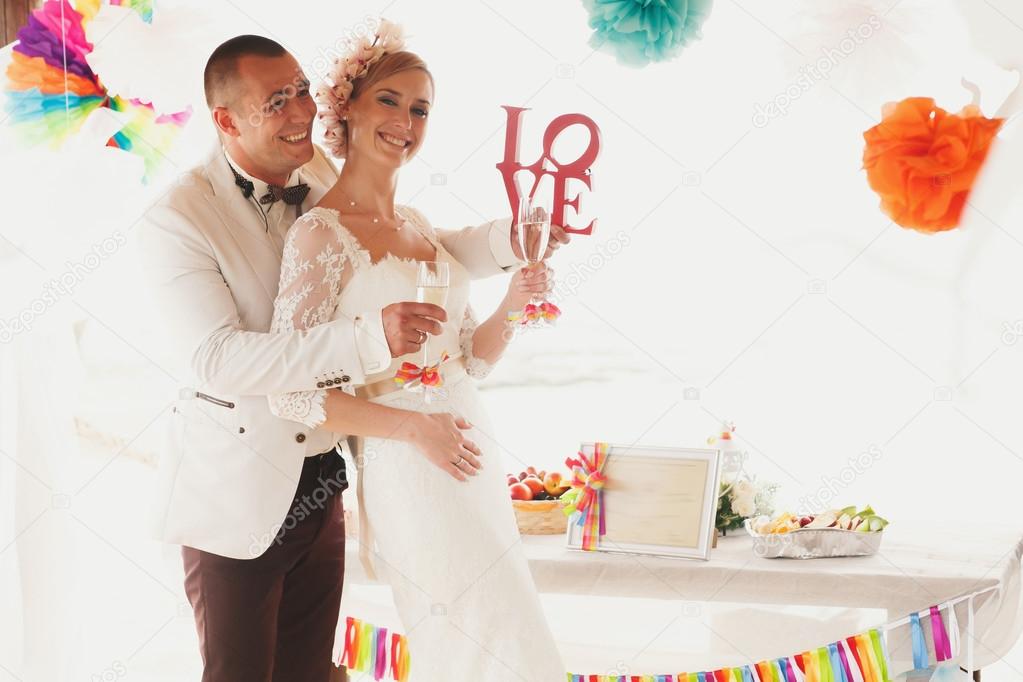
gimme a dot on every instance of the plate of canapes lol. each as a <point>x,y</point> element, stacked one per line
<point>833,533</point>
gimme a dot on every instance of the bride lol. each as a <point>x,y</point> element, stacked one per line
<point>445,534</point>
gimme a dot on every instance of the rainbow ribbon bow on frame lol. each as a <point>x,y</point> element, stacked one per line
<point>586,498</point>
<point>427,376</point>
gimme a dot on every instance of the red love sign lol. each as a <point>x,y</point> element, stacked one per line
<point>578,169</point>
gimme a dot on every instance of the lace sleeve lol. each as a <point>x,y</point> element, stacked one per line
<point>475,367</point>
<point>308,293</point>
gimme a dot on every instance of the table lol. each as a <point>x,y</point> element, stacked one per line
<point>919,564</point>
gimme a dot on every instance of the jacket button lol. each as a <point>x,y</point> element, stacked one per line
<point>320,384</point>
<point>241,429</point>
<point>300,437</point>
<point>346,378</point>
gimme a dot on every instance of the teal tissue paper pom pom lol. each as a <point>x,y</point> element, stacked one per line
<point>638,32</point>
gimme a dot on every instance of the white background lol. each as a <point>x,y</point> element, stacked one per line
<point>756,278</point>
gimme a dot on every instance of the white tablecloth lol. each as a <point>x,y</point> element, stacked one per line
<point>919,565</point>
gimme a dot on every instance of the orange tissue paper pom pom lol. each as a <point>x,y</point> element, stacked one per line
<point>922,161</point>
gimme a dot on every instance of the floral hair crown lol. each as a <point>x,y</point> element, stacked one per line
<point>334,94</point>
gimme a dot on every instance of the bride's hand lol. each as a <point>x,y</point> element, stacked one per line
<point>440,438</point>
<point>536,280</point>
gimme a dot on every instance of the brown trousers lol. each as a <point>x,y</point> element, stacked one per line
<point>273,618</point>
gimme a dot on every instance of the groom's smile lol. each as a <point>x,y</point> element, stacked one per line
<point>296,138</point>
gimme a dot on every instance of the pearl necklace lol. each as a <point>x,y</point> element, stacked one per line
<point>376,220</point>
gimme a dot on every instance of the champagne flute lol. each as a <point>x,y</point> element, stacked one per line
<point>432,280</point>
<point>534,225</point>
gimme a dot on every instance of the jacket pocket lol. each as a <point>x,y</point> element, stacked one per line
<point>197,406</point>
<point>216,401</point>
<point>186,394</point>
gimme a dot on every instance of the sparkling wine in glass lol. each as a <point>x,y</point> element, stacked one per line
<point>534,232</point>
<point>432,280</point>
<point>432,293</point>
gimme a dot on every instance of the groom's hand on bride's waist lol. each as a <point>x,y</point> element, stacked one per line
<point>407,325</point>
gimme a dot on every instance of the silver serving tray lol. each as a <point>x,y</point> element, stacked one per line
<point>815,543</point>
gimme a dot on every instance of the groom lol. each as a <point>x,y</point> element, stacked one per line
<point>253,499</point>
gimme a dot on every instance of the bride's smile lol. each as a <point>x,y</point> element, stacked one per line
<point>388,124</point>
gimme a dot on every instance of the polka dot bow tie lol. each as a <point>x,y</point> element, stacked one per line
<point>293,195</point>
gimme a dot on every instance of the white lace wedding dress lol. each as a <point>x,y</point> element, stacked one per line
<point>450,550</point>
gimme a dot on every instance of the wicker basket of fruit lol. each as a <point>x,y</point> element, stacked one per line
<point>534,495</point>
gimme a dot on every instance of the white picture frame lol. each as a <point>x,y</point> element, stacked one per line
<point>660,501</point>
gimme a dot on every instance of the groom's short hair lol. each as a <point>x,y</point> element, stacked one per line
<point>222,66</point>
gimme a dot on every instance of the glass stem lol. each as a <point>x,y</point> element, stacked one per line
<point>535,299</point>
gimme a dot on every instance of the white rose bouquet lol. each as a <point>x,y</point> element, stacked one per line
<point>741,500</point>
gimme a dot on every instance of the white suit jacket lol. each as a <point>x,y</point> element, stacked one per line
<point>230,468</point>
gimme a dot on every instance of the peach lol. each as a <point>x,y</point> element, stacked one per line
<point>520,491</point>
<point>534,484</point>
<point>512,480</point>
<point>555,485</point>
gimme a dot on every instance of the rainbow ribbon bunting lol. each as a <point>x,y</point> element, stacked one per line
<point>365,650</point>
<point>428,376</point>
<point>859,657</point>
<point>832,663</point>
<point>586,498</point>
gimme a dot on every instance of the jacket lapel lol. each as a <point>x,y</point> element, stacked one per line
<point>241,218</point>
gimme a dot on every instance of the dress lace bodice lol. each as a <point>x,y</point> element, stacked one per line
<point>327,274</point>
